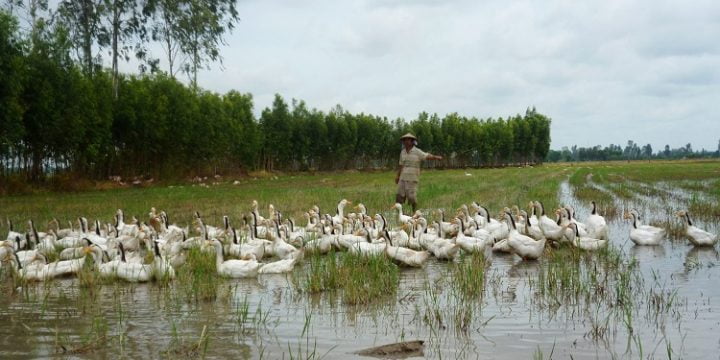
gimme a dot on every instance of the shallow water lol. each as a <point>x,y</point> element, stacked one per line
<point>509,321</point>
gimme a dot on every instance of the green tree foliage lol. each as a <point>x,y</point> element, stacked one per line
<point>203,26</point>
<point>82,19</point>
<point>632,151</point>
<point>190,31</point>
<point>58,117</point>
<point>11,72</point>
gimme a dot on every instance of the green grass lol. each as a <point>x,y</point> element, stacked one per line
<point>360,279</point>
<point>321,273</point>
<point>292,195</point>
<point>469,275</point>
<point>198,276</point>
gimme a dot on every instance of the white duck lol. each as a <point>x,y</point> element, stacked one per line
<point>340,211</point>
<point>362,209</point>
<point>282,266</point>
<point>280,248</point>
<point>532,230</point>
<point>449,228</point>
<point>106,268</point>
<point>75,252</point>
<point>498,230</point>
<point>697,236</point>
<point>464,215</point>
<point>212,231</point>
<point>296,235</point>
<point>442,248</point>
<point>368,247</point>
<point>12,234</point>
<point>597,228</point>
<point>313,222</point>
<point>234,268</point>
<point>259,231</point>
<point>533,216</point>
<point>255,248</point>
<point>403,239</point>
<point>425,238</point>
<point>644,234</point>
<point>581,226</point>
<point>131,271</point>
<point>123,228</point>
<point>400,237</point>
<point>471,243</point>
<point>383,225</point>
<point>24,256</point>
<point>44,271</point>
<point>234,247</point>
<point>37,271</point>
<point>480,233</point>
<point>256,213</point>
<point>402,218</point>
<point>61,233</point>
<point>522,245</point>
<point>585,243</point>
<point>36,236</point>
<point>162,268</point>
<point>324,243</point>
<point>174,250</point>
<point>502,246</point>
<point>48,243</point>
<point>168,228</point>
<point>565,220</point>
<point>413,238</point>
<point>476,215</point>
<point>347,241</point>
<point>550,228</point>
<point>406,256</point>
<point>74,240</point>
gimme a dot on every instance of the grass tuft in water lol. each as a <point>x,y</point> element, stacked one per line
<point>198,276</point>
<point>362,279</point>
<point>367,278</point>
<point>469,275</point>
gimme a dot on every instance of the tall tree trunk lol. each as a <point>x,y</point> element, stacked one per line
<point>87,29</point>
<point>169,42</point>
<point>115,35</point>
<point>36,172</point>
<point>195,69</point>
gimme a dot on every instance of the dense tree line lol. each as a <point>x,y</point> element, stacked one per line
<point>56,116</point>
<point>297,138</point>
<point>632,151</point>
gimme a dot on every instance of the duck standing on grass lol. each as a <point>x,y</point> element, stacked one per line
<point>408,174</point>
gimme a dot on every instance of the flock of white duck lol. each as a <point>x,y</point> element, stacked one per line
<point>272,244</point>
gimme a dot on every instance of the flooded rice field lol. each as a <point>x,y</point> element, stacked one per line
<point>623,302</point>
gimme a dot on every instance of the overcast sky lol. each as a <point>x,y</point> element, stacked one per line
<point>605,71</point>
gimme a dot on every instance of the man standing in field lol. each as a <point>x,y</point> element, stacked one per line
<point>408,174</point>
